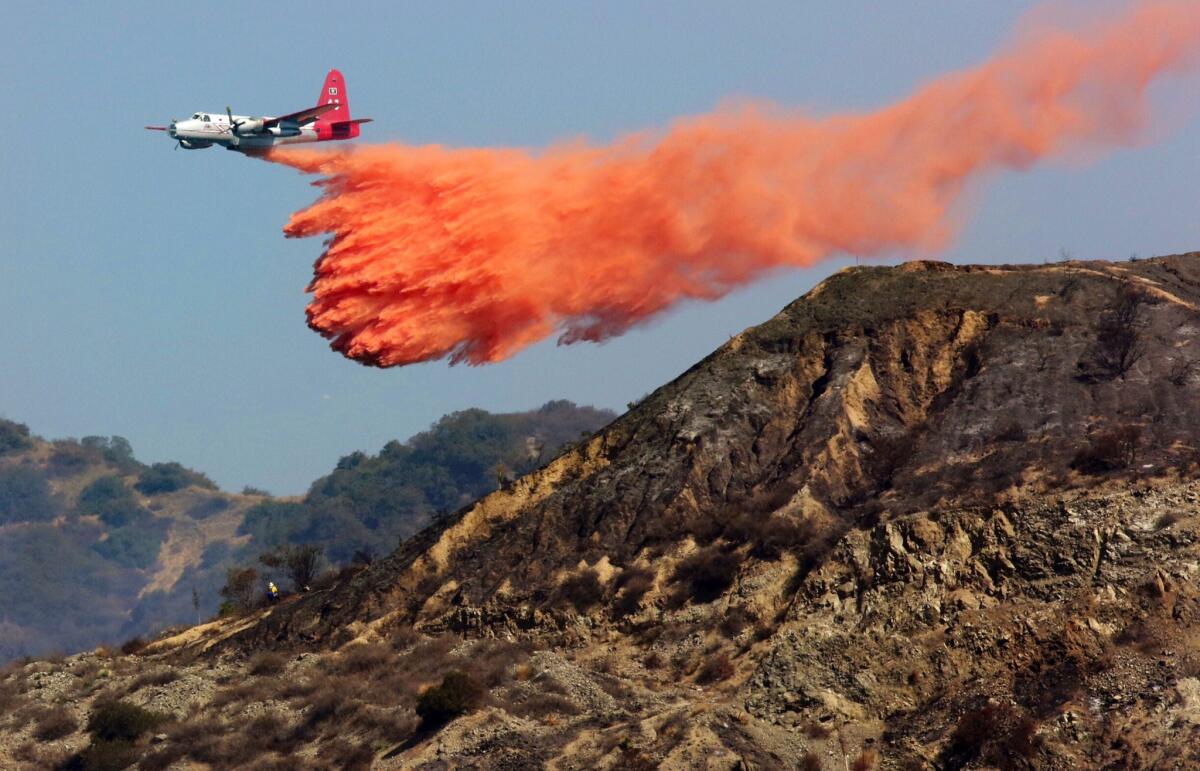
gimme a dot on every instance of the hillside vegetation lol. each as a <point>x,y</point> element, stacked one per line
<point>97,547</point>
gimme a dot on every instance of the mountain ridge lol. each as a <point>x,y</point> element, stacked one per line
<point>926,516</point>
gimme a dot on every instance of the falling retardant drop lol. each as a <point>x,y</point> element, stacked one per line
<point>474,254</point>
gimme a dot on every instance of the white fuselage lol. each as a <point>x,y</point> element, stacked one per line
<point>205,129</point>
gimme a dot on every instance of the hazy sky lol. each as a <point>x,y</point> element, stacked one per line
<point>150,293</point>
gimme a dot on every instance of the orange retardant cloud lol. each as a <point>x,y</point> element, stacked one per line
<point>473,254</point>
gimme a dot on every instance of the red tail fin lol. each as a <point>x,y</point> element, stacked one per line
<point>336,124</point>
<point>334,92</point>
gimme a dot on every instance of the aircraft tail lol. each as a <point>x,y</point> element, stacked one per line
<point>336,124</point>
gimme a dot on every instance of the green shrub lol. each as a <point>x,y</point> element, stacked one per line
<point>457,694</point>
<point>68,458</point>
<point>25,496</point>
<point>109,499</point>
<point>208,507</point>
<point>134,546</point>
<point>14,437</point>
<point>169,477</point>
<point>115,449</point>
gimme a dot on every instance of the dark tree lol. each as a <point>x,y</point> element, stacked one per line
<point>14,437</point>
<point>457,694</point>
<point>25,496</point>
<point>241,587</point>
<point>300,563</point>
<point>169,477</point>
<point>1120,342</point>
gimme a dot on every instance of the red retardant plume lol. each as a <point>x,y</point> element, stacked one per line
<point>473,254</point>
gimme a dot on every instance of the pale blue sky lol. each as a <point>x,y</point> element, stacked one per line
<point>150,293</point>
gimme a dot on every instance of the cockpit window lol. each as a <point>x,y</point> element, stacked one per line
<point>206,119</point>
<point>196,116</point>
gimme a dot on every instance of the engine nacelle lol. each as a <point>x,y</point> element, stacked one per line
<point>288,128</point>
<point>250,126</point>
<point>194,144</point>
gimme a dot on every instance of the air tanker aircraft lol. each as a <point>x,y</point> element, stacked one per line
<point>330,119</point>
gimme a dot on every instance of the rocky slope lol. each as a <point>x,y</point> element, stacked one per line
<point>924,517</point>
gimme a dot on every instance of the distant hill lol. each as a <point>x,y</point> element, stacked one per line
<point>97,547</point>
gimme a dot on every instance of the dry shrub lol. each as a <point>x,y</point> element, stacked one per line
<point>10,696</point>
<point>582,590</point>
<point>133,646</point>
<point>388,724</point>
<point>54,723</point>
<point>735,620</point>
<point>267,663</point>
<point>817,731</point>
<point>1140,635</point>
<point>295,689</point>
<point>653,660</point>
<point>160,758</point>
<point>865,761</point>
<point>269,731</point>
<point>636,760</point>
<point>329,704</point>
<point>995,734</point>
<point>716,669</point>
<point>493,661</point>
<point>402,637</point>
<point>104,755</point>
<point>1167,519</point>
<point>192,736</point>
<point>245,693</point>
<point>344,755</point>
<point>156,677</point>
<point>121,721</point>
<point>1010,430</point>
<point>86,669</point>
<point>706,574</point>
<point>1182,371</point>
<point>114,727</point>
<point>769,536</point>
<point>457,694</point>
<point>810,761</point>
<point>38,755</point>
<point>1110,450</point>
<point>538,706</point>
<point>360,659</point>
<point>631,586</point>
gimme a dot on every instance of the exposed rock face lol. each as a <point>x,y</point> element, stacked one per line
<point>925,517</point>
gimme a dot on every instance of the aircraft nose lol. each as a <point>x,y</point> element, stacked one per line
<point>171,129</point>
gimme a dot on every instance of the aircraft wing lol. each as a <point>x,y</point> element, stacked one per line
<point>302,117</point>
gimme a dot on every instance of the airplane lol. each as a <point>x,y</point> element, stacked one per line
<point>329,120</point>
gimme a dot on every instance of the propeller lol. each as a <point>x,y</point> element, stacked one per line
<point>233,124</point>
